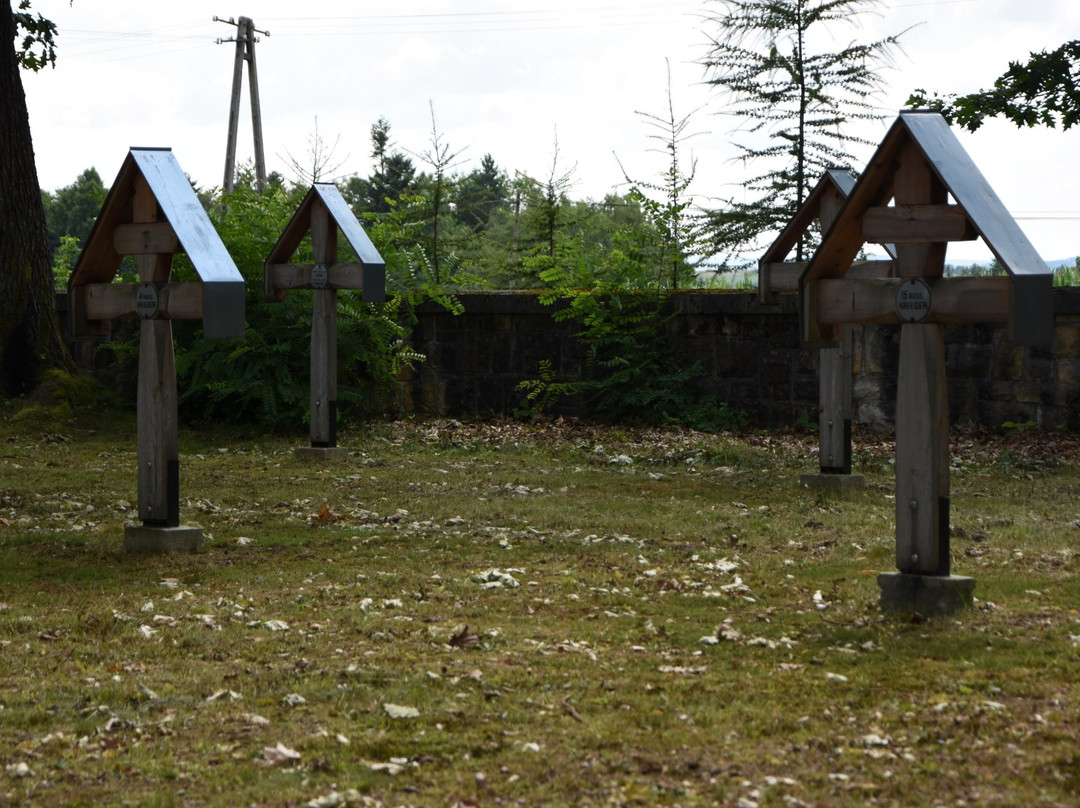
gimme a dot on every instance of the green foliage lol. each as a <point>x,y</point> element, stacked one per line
<point>1063,276</point>
<point>630,374</point>
<point>1044,91</point>
<point>410,273</point>
<point>1068,276</point>
<point>392,178</point>
<point>479,194</point>
<point>265,376</point>
<point>64,258</point>
<point>668,204</point>
<point>543,392</point>
<point>1012,427</point>
<point>486,230</point>
<point>732,279</point>
<point>994,269</point>
<point>37,48</point>
<point>792,103</point>
<point>73,209</point>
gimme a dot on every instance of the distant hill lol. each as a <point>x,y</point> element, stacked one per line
<point>1054,265</point>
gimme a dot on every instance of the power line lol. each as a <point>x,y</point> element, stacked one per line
<point>80,42</point>
<point>1048,216</point>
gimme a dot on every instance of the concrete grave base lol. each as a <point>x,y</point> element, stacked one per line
<point>832,482</point>
<point>929,595</point>
<point>322,453</point>
<point>156,539</point>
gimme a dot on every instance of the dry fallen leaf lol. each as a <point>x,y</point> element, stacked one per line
<point>400,711</point>
<point>231,695</point>
<point>280,755</point>
<point>463,639</point>
<point>390,768</point>
<point>326,515</point>
<point>572,711</point>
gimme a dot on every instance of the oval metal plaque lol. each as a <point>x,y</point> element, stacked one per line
<point>913,300</point>
<point>146,301</point>
<point>319,277</point>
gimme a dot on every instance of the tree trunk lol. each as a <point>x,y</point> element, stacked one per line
<point>29,330</point>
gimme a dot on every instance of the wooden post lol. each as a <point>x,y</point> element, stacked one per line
<point>245,51</point>
<point>922,453</point>
<point>325,216</point>
<point>922,405</point>
<point>938,196</point>
<point>323,333</point>
<point>229,182</point>
<point>158,454</point>
<point>151,213</point>
<point>256,109</point>
<point>834,395</point>
<point>834,377</point>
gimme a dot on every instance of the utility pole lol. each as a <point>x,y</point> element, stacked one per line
<point>245,51</point>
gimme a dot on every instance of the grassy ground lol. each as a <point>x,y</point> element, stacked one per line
<point>502,614</point>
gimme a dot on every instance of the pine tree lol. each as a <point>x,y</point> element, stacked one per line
<point>795,102</point>
<point>479,193</point>
<point>393,175</point>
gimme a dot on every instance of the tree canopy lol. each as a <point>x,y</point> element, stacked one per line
<point>1044,91</point>
<point>37,47</point>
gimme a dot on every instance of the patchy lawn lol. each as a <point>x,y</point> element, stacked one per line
<point>509,614</point>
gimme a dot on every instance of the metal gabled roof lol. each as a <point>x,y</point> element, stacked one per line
<point>988,215</point>
<point>839,179</point>
<point>99,261</point>
<point>931,134</point>
<point>343,218</point>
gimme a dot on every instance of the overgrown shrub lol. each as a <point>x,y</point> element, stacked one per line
<point>630,373</point>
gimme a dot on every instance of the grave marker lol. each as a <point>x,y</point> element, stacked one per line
<point>323,212</point>
<point>151,213</point>
<point>775,275</point>
<point>938,195</point>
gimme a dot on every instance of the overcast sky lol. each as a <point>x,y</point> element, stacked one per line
<point>506,78</point>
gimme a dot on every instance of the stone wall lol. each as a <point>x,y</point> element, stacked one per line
<point>750,356</point>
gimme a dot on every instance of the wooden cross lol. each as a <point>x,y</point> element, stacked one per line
<point>938,196</point>
<point>151,213</point>
<point>835,366</point>
<point>324,212</point>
